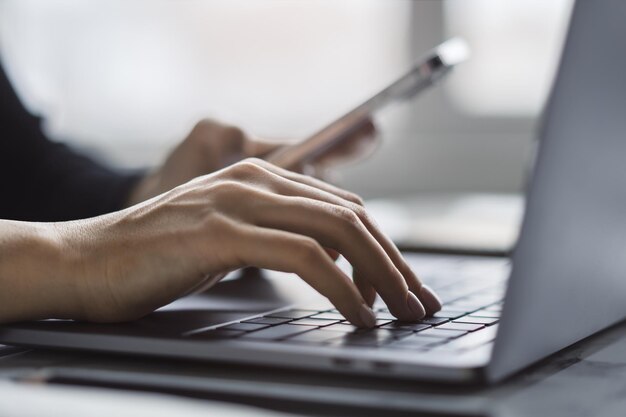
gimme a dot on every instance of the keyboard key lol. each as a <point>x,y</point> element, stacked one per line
<point>441,334</point>
<point>382,322</point>
<point>292,314</point>
<point>315,337</point>
<point>329,316</point>
<point>466,306</point>
<point>433,321</point>
<point>486,313</point>
<point>476,320</point>
<point>342,327</point>
<point>277,332</point>
<point>466,327</point>
<point>398,325</point>
<point>472,340</point>
<point>414,342</point>
<point>396,334</point>
<point>385,316</point>
<point>449,314</point>
<point>245,327</point>
<point>375,337</point>
<point>313,322</point>
<point>272,321</point>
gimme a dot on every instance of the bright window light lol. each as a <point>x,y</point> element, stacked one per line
<point>515,49</point>
<point>109,73</point>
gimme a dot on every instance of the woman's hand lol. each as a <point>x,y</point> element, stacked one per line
<point>211,146</point>
<point>126,264</point>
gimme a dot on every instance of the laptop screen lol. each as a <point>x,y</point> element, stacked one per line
<point>568,269</point>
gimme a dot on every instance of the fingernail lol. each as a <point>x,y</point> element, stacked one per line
<point>415,306</point>
<point>367,316</point>
<point>431,301</point>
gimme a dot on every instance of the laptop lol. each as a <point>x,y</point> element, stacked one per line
<point>564,282</point>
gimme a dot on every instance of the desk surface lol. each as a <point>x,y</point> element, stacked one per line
<point>588,378</point>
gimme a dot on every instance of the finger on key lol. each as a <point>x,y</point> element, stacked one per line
<point>341,229</point>
<point>288,252</point>
<point>427,297</point>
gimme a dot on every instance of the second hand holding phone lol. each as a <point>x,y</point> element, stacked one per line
<point>428,70</point>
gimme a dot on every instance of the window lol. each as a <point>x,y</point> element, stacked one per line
<point>516,49</point>
<point>130,77</point>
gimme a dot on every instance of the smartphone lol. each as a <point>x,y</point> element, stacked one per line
<point>426,71</point>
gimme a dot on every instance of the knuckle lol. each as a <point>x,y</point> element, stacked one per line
<point>348,218</point>
<point>217,133</point>
<point>233,133</point>
<point>247,169</point>
<point>258,162</point>
<point>228,188</point>
<point>362,214</point>
<point>204,125</point>
<point>202,129</point>
<point>214,223</point>
<point>204,133</point>
<point>356,199</point>
<point>308,250</point>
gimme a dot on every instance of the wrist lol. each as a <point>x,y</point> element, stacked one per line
<point>146,188</point>
<point>35,282</point>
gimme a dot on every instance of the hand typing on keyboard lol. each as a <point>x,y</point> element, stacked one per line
<point>472,288</point>
<point>123,265</point>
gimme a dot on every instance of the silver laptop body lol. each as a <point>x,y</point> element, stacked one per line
<point>566,280</point>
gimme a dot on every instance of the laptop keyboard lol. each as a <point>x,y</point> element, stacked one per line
<point>472,290</point>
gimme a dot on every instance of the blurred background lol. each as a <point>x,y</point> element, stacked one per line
<point>127,79</point>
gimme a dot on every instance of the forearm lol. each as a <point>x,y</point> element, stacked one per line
<point>34,281</point>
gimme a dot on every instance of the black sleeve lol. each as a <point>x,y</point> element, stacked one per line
<point>42,180</point>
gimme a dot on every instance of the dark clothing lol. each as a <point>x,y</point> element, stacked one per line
<point>42,180</point>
